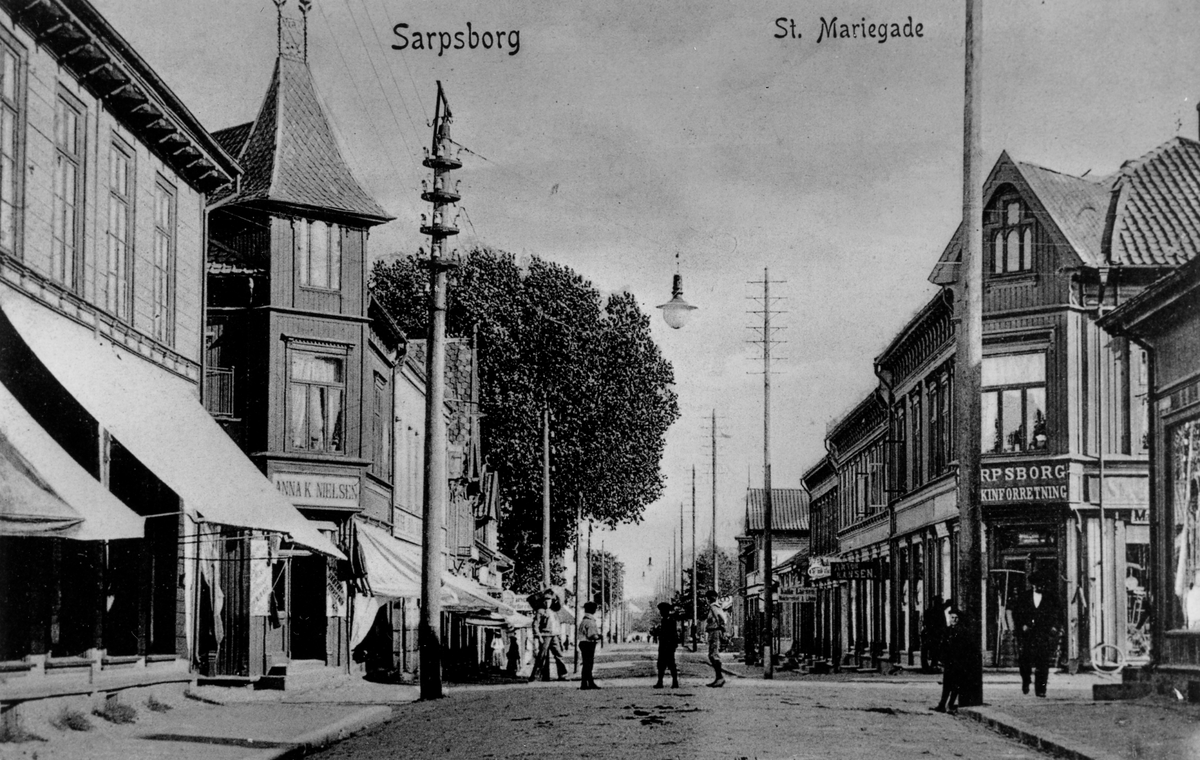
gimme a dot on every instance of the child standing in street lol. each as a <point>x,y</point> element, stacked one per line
<point>953,659</point>
<point>668,640</point>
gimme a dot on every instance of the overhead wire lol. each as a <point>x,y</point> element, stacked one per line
<point>392,73</point>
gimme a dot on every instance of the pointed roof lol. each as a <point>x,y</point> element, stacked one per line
<point>1148,214</point>
<point>289,153</point>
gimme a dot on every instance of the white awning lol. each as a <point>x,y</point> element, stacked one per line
<point>160,420</point>
<point>393,567</point>
<point>472,595</point>
<point>45,493</point>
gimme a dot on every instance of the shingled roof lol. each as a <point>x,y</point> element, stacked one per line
<point>1157,207</point>
<point>1148,214</point>
<point>789,509</point>
<point>289,154</point>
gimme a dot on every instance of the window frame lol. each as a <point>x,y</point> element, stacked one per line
<point>302,247</point>
<point>382,439</point>
<point>998,231</point>
<point>998,390</point>
<point>16,107</point>
<point>124,304</point>
<point>67,270</point>
<point>163,273</point>
<point>291,384</point>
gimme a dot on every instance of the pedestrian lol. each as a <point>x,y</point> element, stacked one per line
<point>933,625</point>
<point>545,626</point>
<point>514,657</point>
<point>953,649</point>
<point>714,624</point>
<point>668,640</point>
<point>586,638</point>
<point>1036,619</point>
<point>498,651</point>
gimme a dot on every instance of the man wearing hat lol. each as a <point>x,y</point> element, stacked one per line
<point>545,626</point>
<point>1036,619</point>
<point>714,625</point>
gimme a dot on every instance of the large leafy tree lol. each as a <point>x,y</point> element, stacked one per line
<point>548,340</point>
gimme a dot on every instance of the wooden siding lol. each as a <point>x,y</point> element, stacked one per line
<point>45,78</point>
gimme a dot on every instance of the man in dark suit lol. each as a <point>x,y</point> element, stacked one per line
<point>1036,617</point>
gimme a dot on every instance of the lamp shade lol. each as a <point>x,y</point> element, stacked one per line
<point>677,311</point>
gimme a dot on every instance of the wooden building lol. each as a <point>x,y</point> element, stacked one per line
<point>1165,321</point>
<point>105,177</point>
<point>300,365</point>
<point>789,535</point>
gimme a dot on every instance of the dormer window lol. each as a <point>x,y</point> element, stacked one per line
<point>1011,236</point>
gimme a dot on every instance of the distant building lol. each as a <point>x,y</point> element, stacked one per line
<point>789,535</point>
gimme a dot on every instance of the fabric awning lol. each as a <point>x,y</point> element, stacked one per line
<point>472,595</point>
<point>393,567</point>
<point>160,420</point>
<point>45,493</point>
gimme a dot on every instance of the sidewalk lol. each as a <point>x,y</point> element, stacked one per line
<point>210,723</point>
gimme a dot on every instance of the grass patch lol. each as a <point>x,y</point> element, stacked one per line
<point>71,720</point>
<point>153,705</point>
<point>116,712</point>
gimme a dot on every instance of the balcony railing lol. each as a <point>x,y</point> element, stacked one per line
<point>218,391</point>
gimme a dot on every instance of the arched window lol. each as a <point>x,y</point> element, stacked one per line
<point>1010,229</point>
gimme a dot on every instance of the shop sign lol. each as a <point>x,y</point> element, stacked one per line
<point>803,595</point>
<point>818,567</point>
<point>854,570</point>
<point>312,490</point>
<point>1029,481</point>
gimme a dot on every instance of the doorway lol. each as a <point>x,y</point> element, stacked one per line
<point>307,595</point>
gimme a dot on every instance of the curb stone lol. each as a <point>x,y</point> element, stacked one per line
<point>1038,738</point>
<point>331,734</point>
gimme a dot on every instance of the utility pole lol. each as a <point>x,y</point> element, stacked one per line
<point>768,643</point>
<point>578,560</point>
<point>603,571</point>
<point>968,360</point>
<point>434,487</point>
<point>546,497</point>
<point>695,643</point>
<point>716,573</point>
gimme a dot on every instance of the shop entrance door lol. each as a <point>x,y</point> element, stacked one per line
<point>308,578</point>
<point>1018,552</point>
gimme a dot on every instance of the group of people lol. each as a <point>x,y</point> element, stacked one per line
<point>589,635</point>
<point>1035,623</point>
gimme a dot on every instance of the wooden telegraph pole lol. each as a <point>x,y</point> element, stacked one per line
<point>968,361</point>
<point>438,229</point>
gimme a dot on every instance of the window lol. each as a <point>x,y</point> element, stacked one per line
<point>317,389</point>
<point>164,262</point>
<point>1183,494</point>
<point>65,245</point>
<point>916,464</point>
<point>319,255</point>
<point>11,132</point>
<point>115,287</point>
<point>1014,404</point>
<point>381,437</point>
<point>1011,235</point>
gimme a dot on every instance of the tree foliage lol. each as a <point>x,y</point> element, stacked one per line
<point>606,579</point>
<point>726,577</point>
<point>547,339</point>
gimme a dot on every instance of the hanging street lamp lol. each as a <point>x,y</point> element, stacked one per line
<point>677,311</point>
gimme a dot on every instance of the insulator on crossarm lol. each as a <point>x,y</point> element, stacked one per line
<point>424,186</point>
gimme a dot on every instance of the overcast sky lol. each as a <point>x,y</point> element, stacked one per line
<point>619,135</point>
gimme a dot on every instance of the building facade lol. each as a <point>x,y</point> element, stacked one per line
<point>789,535</point>
<point>105,178</point>
<point>304,359</point>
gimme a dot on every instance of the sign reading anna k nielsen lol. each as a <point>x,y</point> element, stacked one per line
<point>1029,481</point>
<point>312,490</point>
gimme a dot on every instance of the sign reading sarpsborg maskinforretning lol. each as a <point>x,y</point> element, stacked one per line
<point>1028,481</point>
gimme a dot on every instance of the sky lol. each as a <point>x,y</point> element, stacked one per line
<point>630,140</point>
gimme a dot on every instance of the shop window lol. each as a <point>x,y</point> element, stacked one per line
<point>66,240</point>
<point>317,390</point>
<point>118,270</point>
<point>1014,404</point>
<point>1011,237</point>
<point>319,255</point>
<point>916,442</point>
<point>1183,466</point>
<point>12,132</point>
